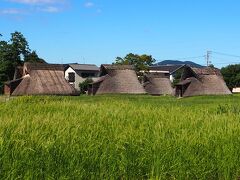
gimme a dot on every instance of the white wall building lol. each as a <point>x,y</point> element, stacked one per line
<point>168,70</point>
<point>236,90</point>
<point>77,73</point>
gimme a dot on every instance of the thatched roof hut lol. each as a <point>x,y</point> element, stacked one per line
<point>116,79</point>
<point>158,84</point>
<point>41,79</point>
<point>201,81</point>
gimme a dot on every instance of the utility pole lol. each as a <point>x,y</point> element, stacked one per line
<point>84,60</point>
<point>208,58</point>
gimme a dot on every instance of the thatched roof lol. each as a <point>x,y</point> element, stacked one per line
<point>116,67</point>
<point>28,67</point>
<point>206,71</point>
<point>117,79</point>
<point>157,84</point>
<point>202,81</point>
<point>111,68</point>
<point>43,79</point>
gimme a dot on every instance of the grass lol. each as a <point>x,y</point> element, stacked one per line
<point>2,98</point>
<point>120,137</point>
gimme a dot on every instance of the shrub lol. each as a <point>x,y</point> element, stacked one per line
<point>84,85</point>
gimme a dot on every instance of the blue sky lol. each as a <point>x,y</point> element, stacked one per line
<point>97,31</point>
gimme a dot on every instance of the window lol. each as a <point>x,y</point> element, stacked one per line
<point>71,77</point>
<point>86,75</point>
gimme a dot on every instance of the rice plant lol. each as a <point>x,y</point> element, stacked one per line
<point>120,137</point>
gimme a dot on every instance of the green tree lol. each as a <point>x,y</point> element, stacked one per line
<point>231,75</point>
<point>140,62</point>
<point>14,53</point>
<point>84,85</point>
<point>8,61</point>
<point>33,57</point>
<point>177,77</point>
<point>20,46</point>
<point>211,66</point>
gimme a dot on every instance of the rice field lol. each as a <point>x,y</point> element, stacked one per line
<point>120,137</point>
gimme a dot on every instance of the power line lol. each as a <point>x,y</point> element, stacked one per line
<point>208,58</point>
<point>227,63</point>
<point>225,54</point>
<point>233,62</point>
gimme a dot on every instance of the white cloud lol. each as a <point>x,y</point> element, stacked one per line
<point>11,11</point>
<point>32,2</point>
<point>89,4</point>
<point>51,9</point>
<point>35,6</point>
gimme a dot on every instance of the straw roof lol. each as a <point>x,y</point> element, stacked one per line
<point>43,79</point>
<point>116,67</point>
<point>202,81</point>
<point>206,71</point>
<point>117,79</point>
<point>157,84</point>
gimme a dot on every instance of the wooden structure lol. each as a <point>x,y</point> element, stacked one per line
<point>158,84</point>
<point>116,79</point>
<point>201,81</point>
<point>39,79</point>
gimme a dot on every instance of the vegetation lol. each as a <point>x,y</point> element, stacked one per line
<point>12,54</point>
<point>120,137</point>
<point>140,62</point>
<point>231,75</point>
<point>84,85</point>
<point>177,77</point>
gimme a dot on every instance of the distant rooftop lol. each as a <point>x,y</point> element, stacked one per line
<point>166,68</point>
<point>84,67</point>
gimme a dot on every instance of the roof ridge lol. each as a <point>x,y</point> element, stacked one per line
<point>82,64</point>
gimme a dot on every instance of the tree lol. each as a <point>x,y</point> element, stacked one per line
<point>33,57</point>
<point>211,66</point>
<point>231,75</point>
<point>8,61</point>
<point>177,77</point>
<point>140,62</point>
<point>14,53</point>
<point>84,85</point>
<point>19,45</point>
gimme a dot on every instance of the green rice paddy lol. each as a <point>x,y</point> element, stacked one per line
<point>120,137</point>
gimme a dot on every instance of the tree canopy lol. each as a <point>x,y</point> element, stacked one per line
<point>14,53</point>
<point>84,85</point>
<point>33,57</point>
<point>231,75</point>
<point>140,62</point>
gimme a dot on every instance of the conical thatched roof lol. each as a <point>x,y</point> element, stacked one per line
<point>43,79</point>
<point>157,84</point>
<point>201,81</point>
<point>117,79</point>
